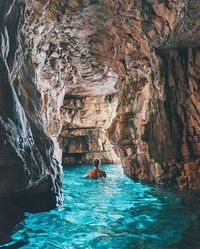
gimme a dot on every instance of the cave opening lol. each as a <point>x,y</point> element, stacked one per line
<point>83,134</point>
<point>61,64</point>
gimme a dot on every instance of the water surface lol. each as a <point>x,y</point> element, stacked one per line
<point>112,213</point>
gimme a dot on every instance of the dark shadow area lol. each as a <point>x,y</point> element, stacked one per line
<point>13,208</point>
<point>191,235</point>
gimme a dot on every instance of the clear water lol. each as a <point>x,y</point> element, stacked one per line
<point>112,213</point>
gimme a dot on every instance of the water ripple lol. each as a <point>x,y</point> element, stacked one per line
<point>112,213</point>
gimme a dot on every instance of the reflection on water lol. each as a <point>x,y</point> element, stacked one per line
<point>112,213</point>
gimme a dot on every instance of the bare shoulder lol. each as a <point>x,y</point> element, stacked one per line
<point>90,173</point>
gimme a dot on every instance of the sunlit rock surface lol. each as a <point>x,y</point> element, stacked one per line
<point>62,42</point>
<point>85,120</point>
<point>145,53</point>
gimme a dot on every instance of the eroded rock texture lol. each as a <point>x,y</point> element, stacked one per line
<point>26,153</point>
<point>156,131</point>
<point>85,120</point>
<point>144,52</point>
<point>66,64</point>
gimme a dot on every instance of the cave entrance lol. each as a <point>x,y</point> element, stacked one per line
<point>83,135</point>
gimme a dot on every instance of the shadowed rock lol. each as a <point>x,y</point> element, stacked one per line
<point>26,160</point>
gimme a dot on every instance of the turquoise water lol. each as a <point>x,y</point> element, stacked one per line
<point>115,212</point>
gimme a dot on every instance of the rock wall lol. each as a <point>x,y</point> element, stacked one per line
<point>147,52</point>
<point>85,120</point>
<point>26,153</point>
<point>156,130</point>
<point>65,64</point>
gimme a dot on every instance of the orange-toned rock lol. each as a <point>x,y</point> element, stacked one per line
<point>147,54</point>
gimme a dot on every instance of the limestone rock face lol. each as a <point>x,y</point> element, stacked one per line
<point>156,131</point>
<point>85,120</point>
<point>144,52</point>
<point>62,49</point>
<point>26,153</point>
<point>128,70</point>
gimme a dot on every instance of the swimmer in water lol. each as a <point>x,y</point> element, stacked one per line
<point>96,172</point>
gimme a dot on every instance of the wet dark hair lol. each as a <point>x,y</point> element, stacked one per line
<point>96,162</point>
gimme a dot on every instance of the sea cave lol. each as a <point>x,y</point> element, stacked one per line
<point>117,81</point>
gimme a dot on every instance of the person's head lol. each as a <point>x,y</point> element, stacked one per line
<point>96,162</point>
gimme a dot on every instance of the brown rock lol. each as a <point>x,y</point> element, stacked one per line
<point>145,53</point>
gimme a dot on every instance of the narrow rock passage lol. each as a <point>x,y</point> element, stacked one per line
<point>112,213</point>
